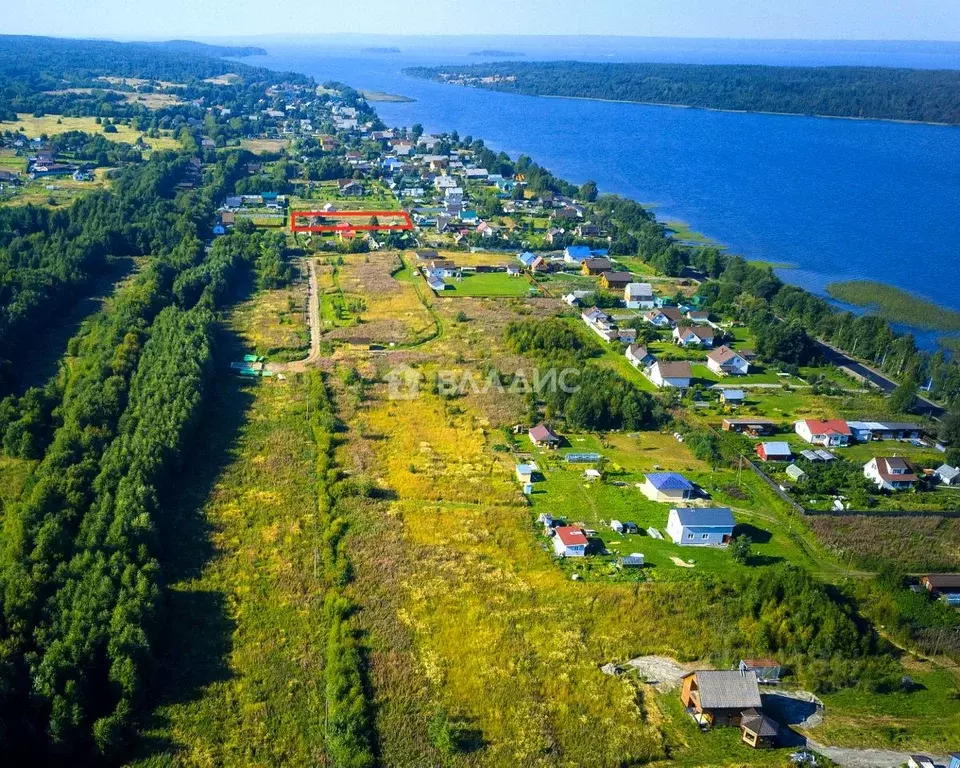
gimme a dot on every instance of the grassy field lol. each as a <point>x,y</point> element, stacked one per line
<point>488,284</point>
<point>923,720</point>
<point>380,309</point>
<point>896,305</point>
<point>54,124</point>
<point>278,326</point>
<point>242,681</point>
<point>61,191</point>
<point>265,146</point>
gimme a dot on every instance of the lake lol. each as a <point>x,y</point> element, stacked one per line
<point>838,199</point>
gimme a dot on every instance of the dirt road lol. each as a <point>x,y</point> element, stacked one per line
<point>313,310</point>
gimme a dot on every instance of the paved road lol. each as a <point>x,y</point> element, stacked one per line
<point>313,305</point>
<point>835,356</point>
<point>869,758</point>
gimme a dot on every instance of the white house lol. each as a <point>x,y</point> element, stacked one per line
<point>723,361</point>
<point>671,374</point>
<point>890,474</point>
<point>693,335</point>
<point>638,296</point>
<point>665,317</point>
<point>948,475</point>
<point>569,541</point>
<point>830,433</point>
<point>700,526</point>
<point>639,356</point>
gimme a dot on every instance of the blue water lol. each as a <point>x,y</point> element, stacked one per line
<point>839,199</point>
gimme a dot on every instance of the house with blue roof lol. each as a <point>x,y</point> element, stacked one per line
<point>527,258</point>
<point>577,254</point>
<point>667,486</point>
<point>701,526</point>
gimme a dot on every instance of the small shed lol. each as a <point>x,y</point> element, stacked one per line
<point>774,451</point>
<point>768,670</point>
<point>616,525</point>
<point>796,474</point>
<point>634,560</point>
<point>732,396</point>
<point>525,472</point>
<point>921,761</point>
<point>954,760</point>
<point>757,730</point>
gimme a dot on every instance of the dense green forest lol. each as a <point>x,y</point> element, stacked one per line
<point>862,92</point>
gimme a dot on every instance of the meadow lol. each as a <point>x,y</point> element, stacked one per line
<point>488,284</point>
<point>54,124</point>
<point>242,680</point>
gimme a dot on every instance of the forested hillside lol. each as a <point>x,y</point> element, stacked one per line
<point>861,92</point>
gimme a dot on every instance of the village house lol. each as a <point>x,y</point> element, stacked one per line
<point>830,433</point>
<point>921,761</point>
<point>723,361</point>
<point>948,475</point>
<point>638,296</point>
<point>569,541</point>
<point>719,697</point>
<point>615,281</point>
<point>941,583</point>
<point>595,266</point>
<point>587,230</point>
<point>753,427</point>
<point>698,316</point>
<point>774,451</point>
<point>693,336</point>
<point>700,526</point>
<point>350,187</point>
<point>544,437</point>
<point>667,486</point>
<point>665,317</point>
<point>671,374</point>
<point>891,474</point>
<point>639,356</point>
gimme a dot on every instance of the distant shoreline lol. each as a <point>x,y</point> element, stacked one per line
<point>718,109</point>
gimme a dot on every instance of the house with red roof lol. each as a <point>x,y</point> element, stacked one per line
<point>891,474</point>
<point>830,433</point>
<point>569,541</point>
<point>541,435</point>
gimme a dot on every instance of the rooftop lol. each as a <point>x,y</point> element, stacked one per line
<point>728,689</point>
<point>669,481</point>
<point>705,517</point>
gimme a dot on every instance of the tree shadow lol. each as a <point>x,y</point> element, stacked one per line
<point>197,639</point>
<point>43,358</point>
<point>757,535</point>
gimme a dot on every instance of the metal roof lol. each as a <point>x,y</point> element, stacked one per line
<point>705,517</point>
<point>669,481</point>
<point>728,689</point>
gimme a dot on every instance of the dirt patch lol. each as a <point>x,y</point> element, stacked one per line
<point>680,563</point>
<point>662,672</point>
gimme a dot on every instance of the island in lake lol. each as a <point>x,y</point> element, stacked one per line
<point>381,50</point>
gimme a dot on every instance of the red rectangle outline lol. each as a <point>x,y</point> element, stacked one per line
<point>346,227</point>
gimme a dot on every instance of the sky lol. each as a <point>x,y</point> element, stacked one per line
<point>764,19</point>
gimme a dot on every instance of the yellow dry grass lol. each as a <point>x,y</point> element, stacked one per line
<point>265,146</point>
<point>503,639</point>
<point>54,124</point>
